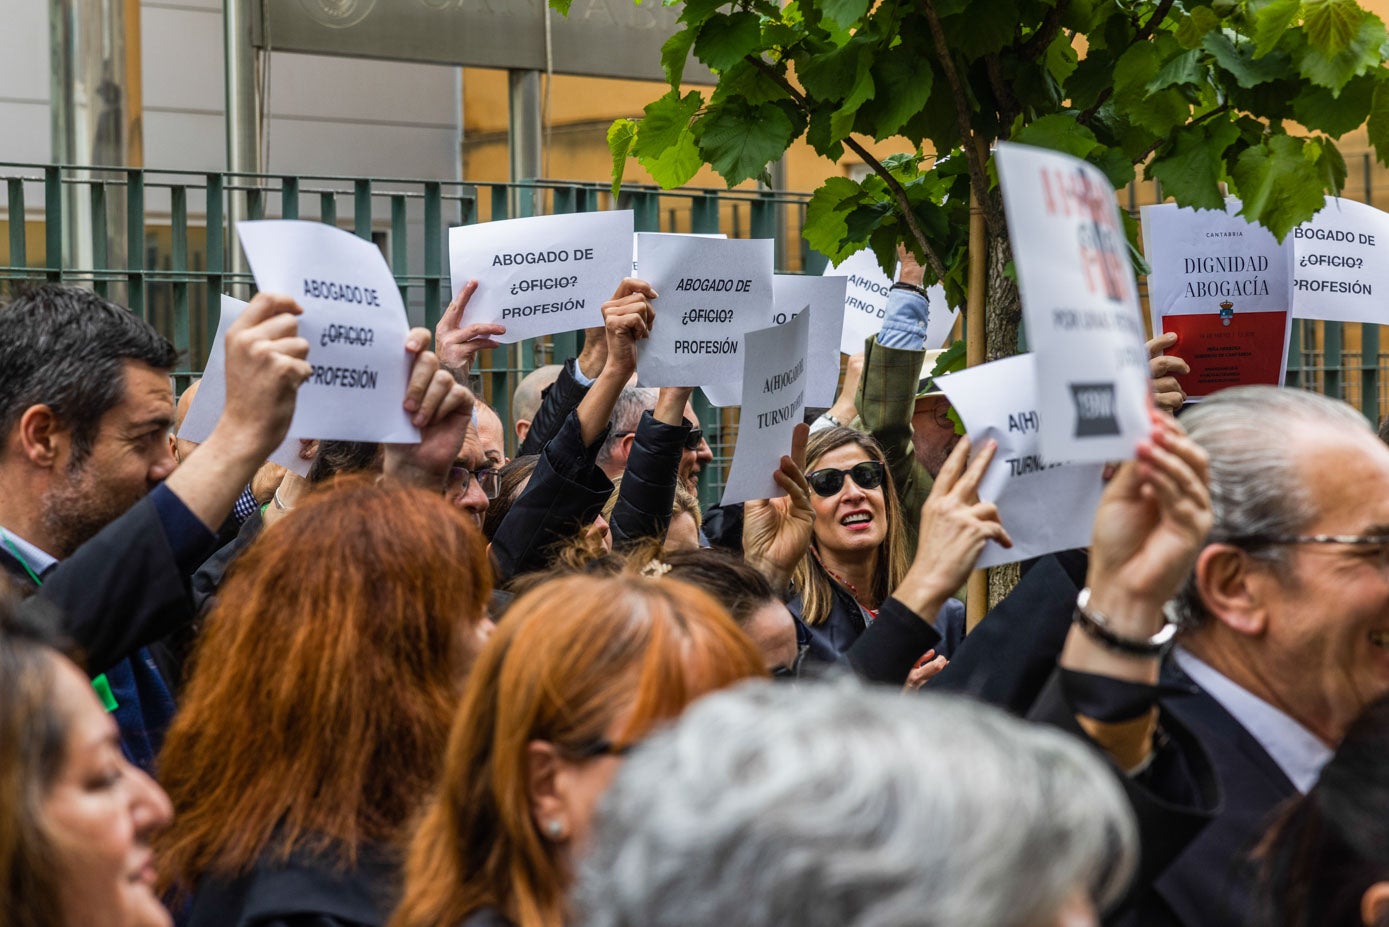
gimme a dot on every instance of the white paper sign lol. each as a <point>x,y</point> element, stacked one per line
<point>792,293</point>
<point>1045,507</point>
<point>211,396</point>
<point>1224,286</point>
<point>1341,264</point>
<point>773,404</point>
<point>1080,304</point>
<point>712,292</point>
<point>635,262</point>
<point>354,320</point>
<point>541,275</point>
<point>865,298</point>
<point>865,304</point>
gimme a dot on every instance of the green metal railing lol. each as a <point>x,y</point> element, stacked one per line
<point>176,259</point>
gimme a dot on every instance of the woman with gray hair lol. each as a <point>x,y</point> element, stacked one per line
<point>929,811</point>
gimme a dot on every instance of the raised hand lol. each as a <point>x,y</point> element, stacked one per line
<point>441,408</point>
<point>777,532</point>
<point>1168,394</point>
<point>459,344</point>
<point>627,319</point>
<point>1150,525</point>
<point>266,362</point>
<point>955,526</point>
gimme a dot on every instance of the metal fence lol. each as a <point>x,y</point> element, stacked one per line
<point>158,241</point>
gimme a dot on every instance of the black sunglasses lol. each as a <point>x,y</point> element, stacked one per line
<point>692,440</point>
<point>867,475</point>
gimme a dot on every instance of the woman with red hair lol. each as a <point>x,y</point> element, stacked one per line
<point>579,671</point>
<point>318,707</point>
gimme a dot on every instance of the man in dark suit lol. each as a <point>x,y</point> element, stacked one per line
<point>1284,629</point>
<point>94,517</point>
<point>97,523</point>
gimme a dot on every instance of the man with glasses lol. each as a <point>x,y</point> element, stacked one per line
<point>472,481</point>
<point>1284,622</point>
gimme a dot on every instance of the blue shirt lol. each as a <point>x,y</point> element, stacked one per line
<point>904,325</point>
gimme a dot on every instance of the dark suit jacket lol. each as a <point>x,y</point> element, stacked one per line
<point>1213,881</point>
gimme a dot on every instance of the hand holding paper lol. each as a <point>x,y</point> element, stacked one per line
<point>1168,394</point>
<point>1152,520</point>
<point>628,318</point>
<point>955,526</point>
<point>777,532</point>
<point>459,344</point>
<point>442,434</point>
<point>265,366</point>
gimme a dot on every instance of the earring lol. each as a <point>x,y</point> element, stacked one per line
<point>554,828</point>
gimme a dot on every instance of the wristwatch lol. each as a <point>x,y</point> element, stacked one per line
<point>1101,630</point>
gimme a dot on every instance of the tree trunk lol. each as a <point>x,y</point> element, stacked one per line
<point>1002,319</point>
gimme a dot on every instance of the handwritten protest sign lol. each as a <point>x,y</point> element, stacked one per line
<point>865,304</point>
<point>1224,285</point>
<point>712,292</point>
<point>773,404</point>
<point>541,275</point>
<point>1080,303</point>
<point>211,397</point>
<point>1341,264</point>
<point>1045,506</point>
<point>636,262</point>
<point>355,324</point>
<point>791,293</point>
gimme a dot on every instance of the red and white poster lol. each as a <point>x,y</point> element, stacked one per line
<point>1224,285</point>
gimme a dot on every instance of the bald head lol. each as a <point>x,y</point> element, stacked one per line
<point>183,448</point>
<point>525,402</point>
<point>491,434</point>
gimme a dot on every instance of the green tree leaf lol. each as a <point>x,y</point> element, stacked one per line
<point>739,140</point>
<point>1180,70</point>
<point>725,39</point>
<point>1271,20</point>
<point>1279,186</point>
<point>694,12</point>
<point>1378,126</point>
<point>1060,133</point>
<point>1158,112</point>
<point>665,145</point>
<point>1192,166</point>
<point>675,51</point>
<point>621,134</point>
<point>1334,70</point>
<point>1193,27</point>
<point>846,13</point>
<point>1323,111</point>
<point>898,68</point>
<point>1331,25</point>
<point>825,229</point>
<point>1240,63</point>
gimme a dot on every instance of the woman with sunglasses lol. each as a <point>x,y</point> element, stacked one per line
<point>857,559</point>
<point>581,669</point>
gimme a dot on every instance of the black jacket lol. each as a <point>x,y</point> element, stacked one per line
<point>647,493</point>
<point>556,402</point>
<point>310,890</point>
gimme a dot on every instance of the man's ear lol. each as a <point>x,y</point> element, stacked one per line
<point>1234,591</point>
<point>1374,905</point>
<point>626,442</point>
<point>43,439</point>
<point>544,788</point>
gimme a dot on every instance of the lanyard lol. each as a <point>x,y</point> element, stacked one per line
<point>100,683</point>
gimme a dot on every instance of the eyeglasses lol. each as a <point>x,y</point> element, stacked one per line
<point>794,670</point>
<point>692,440</point>
<point>1380,541</point>
<point>488,479</point>
<point>867,475</point>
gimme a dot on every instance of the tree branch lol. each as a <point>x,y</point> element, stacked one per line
<point>978,178</point>
<point>1153,22</point>
<point>1007,103</point>
<point>899,194</point>
<point>1041,40</point>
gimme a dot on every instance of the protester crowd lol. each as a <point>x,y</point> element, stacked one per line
<point>430,686</point>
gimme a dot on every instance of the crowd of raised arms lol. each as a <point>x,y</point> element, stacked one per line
<point>430,686</point>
